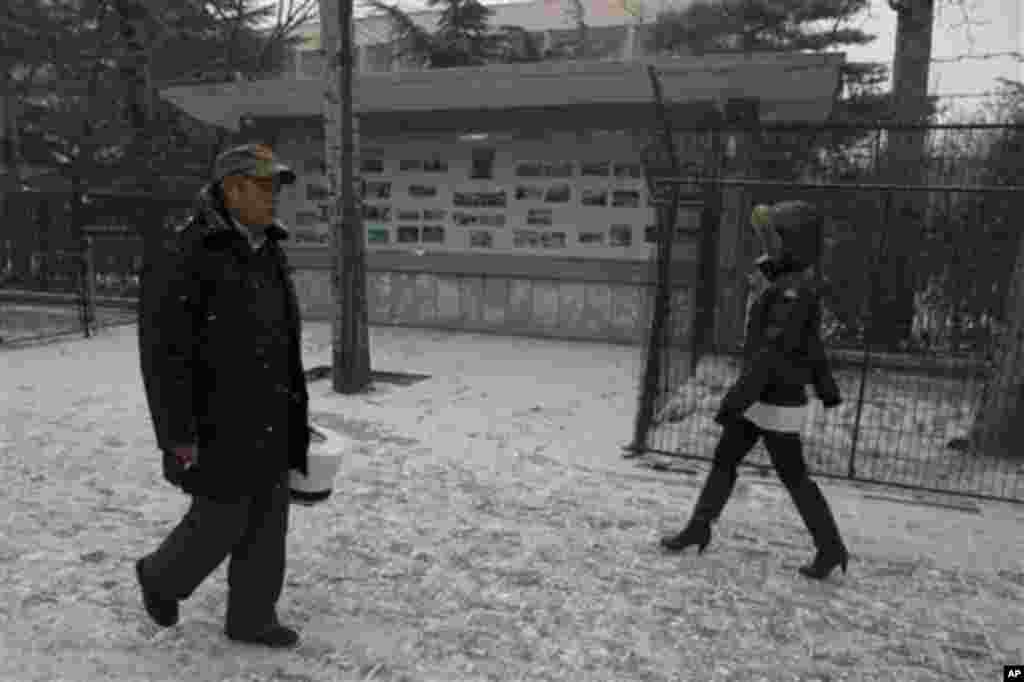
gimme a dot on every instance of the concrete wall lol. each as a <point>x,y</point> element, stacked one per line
<point>575,306</point>
<point>614,313</point>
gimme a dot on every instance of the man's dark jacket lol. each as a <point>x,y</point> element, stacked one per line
<point>220,348</point>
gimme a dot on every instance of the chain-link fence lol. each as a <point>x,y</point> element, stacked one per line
<point>57,279</point>
<point>918,262</point>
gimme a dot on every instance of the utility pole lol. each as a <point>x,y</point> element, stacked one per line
<point>350,360</point>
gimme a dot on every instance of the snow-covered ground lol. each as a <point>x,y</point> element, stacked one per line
<point>483,527</point>
<point>19,321</point>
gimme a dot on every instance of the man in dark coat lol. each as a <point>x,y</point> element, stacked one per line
<point>782,354</point>
<point>220,348</point>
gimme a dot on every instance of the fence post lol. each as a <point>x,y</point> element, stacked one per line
<point>88,293</point>
<point>667,218</point>
<point>870,325</point>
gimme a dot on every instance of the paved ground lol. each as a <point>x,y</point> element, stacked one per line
<point>484,527</point>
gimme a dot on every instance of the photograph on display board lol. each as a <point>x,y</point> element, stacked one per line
<point>553,240</point>
<point>422,191</point>
<point>493,199</point>
<point>410,166</point>
<point>620,235</point>
<point>316,192</point>
<point>434,213</point>
<point>558,194</point>
<point>371,166</point>
<point>480,199</point>
<point>539,216</point>
<point>377,235</point>
<point>482,167</point>
<point>377,190</point>
<point>529,169</point>
<point>529,193</point>
<point>625,199</point>
<point>433,234</point>
<point>435,165</point>
<point>559,169</point>
<point>491,220</point>
<point>377,214</point>
<point>526,239</point>
<point>408,234</point>
<point>592,238</point>
<point>596,169</point>
<point>481,239</point>
<point>594,197</point>
<point>663,194</point>
<point>407,215</point>
<point>463,219</point>
<point>629,170</point>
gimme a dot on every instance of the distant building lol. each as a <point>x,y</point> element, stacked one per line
<point>613,32</point>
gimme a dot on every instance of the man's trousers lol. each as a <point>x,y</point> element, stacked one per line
<point>252,531</point>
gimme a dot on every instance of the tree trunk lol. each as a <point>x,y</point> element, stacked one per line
<point>905,153</point>
<point>998,428</point>
<point>351,345</point>
<point>10,166</point>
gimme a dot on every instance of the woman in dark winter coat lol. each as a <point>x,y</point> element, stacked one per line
<point>219,335</point>
<point>782,354</point>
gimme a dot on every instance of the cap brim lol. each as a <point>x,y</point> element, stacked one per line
<point>286,174</point>
<point>272,170</point>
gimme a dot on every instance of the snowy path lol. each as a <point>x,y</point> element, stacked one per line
<point>485,527</point>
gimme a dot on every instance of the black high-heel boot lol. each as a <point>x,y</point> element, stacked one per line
<point>817,516</point>
<point>697,532</point>
<point>824,562</point>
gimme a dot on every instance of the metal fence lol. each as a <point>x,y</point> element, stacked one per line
<point>917,280</point>
<point>58,278</point>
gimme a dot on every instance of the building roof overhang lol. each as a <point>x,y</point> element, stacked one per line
<point>790,87</point>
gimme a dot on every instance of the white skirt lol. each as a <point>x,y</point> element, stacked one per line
<point>782,418</point>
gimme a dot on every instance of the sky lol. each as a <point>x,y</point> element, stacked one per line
<point>993,26</point>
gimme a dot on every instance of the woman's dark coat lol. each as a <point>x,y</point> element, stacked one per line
<point>216,372</point>
<point>783,352</point>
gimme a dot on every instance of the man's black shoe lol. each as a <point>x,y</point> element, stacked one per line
<point>162,610</point>
<point>275,636</point>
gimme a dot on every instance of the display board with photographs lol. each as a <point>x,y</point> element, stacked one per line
<point>526,201</point>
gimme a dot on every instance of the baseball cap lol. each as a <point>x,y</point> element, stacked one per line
<point>253,160</point>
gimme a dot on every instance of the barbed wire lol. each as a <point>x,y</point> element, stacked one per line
<point>970,95</point>
<point>985,56</point>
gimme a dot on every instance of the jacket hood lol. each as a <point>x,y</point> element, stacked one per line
<point>790,233</point>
